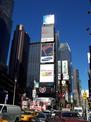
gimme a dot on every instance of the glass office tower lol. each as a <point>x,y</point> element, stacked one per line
<point>33,66</point>
<point>6,8</point>
<point>6,85</point>
<point>66,72</point>
<point>19,58</point>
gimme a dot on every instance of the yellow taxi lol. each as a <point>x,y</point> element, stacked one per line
<point>27,116</point>
<point>3,120</point>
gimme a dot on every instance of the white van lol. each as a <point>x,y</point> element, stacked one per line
<point>10,112</point>
<point>79,110</point>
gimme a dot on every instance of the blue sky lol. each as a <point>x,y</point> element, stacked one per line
<point>71,20</point>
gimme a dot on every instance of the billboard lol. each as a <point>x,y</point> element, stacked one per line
<point>48,19</point>
<point>47,73</point>
<point>47,52</point>
<point>47,33</point>
<point>59,70</point>
<point>65,70</point>
<point>88,54</point>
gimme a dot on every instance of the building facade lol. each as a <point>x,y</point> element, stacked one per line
<point>89,71</point>
<point>65,73</point>
<point>6,9</point>
<point>6,84</point>
<point>76,87</point>
<point>33,67</point>
<point>48,58</point>
<point>19,58</point>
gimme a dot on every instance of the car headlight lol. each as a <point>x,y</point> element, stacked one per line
<point>33,120</point>
<point>42,120</point>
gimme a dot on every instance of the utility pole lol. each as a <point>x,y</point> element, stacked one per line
<point>14,91</point>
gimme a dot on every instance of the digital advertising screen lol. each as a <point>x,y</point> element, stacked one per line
<point>47,73</point>
<point>47,33</point>
<point>47,52</point>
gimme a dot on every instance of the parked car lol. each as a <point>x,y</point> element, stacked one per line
<point>70,114</point>
<point>27,116</point>
<point>67,116</point>
<point>9,112</point>
<point>3,120</point>
<point>41,117</point>
<point>79,110</point>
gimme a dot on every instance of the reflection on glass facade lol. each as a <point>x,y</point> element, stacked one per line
<point>6,7</point>
<point>76,86</point>
<point>4,41</point>
<point>65,52</point>
<point>33,65</point>
<point>65,55</point>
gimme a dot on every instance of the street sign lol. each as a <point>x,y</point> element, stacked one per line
<point>84,95</point>
<point>34,93</point>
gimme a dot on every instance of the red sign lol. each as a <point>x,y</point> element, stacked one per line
<point>42,89</point>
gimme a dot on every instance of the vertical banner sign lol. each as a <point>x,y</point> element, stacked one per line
<point>65,70</point>
<point>59,70</point>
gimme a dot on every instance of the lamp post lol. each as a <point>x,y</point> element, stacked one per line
<point>6,97</point>
<point>14,91</point>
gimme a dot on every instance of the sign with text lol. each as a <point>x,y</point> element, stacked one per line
<point>47,52</point>
<point>47,73</point>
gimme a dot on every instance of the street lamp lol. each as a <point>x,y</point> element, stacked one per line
<point>14,91</point>
<point>6,97</point>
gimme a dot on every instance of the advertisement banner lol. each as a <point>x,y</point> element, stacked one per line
<point>59,70</point>
<point>65,70</point>
<point>47,73</point>
<point>47,52</point>
<point>47,39</point>
<point>47,33</point>
<point>88,54</point>
<point>48,19</point>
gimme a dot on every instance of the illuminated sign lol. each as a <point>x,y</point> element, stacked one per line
<point>47,73</point>
<point>47,52</point>
<point>48,19</point>
<point>47,33</point>
<point>65,69</point>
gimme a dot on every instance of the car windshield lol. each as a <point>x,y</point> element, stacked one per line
<point>28,112</point>
<point>0,107</point>
<point>78,110</point>
<point>40,115</point>
<point>68,114</point>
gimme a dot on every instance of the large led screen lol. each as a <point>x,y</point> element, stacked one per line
<point>47,33</point>
<point>48,19</point>
<point>47,73</point>
<point>47,52</point>
<point>65,69</point>
<point>59,70</point>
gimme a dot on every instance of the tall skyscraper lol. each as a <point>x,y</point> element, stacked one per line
<point>89,72</point>
<point>65,52</point>
<point>47,82</point>
<point>33,66</point>
<point>76,87</point>
<point>6,8</point>
<point>19,58</point>
<point>65,73</point>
